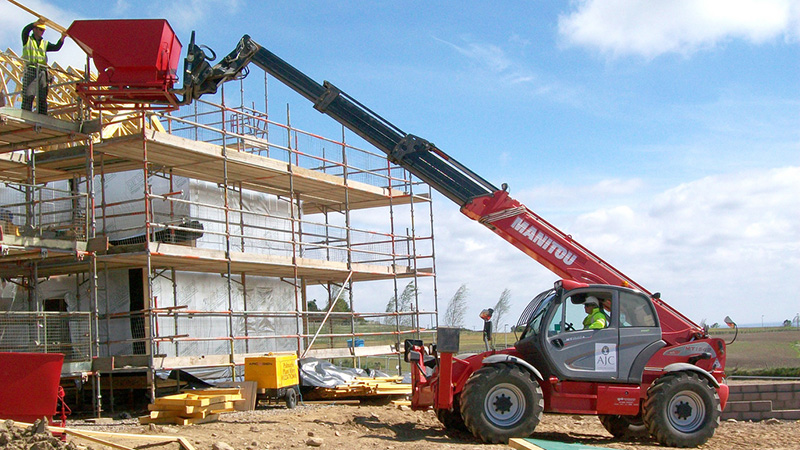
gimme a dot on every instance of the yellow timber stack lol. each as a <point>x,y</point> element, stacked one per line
<point>192,407</point>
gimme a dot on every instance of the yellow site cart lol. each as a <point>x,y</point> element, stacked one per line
<point>276,375</point>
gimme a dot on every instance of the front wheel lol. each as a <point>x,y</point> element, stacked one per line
<point>500,402</point>
<point>681,410</point>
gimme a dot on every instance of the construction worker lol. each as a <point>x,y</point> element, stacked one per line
<point>595,317</point>
<point>36,80</point>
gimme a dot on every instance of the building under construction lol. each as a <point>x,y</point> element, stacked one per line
<point>140,239</point>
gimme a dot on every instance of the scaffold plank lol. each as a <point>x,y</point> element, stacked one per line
<point>204,161</point>
<point>20,129</point>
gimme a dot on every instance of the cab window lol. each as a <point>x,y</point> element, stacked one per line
<point>635,311</point>
<point>573,313</point>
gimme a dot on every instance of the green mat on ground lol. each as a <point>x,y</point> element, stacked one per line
<point>541,444</point>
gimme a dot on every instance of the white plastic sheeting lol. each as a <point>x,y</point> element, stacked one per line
<point>202,295</point>
<point>205,293</point>
<point>124,192</point>
<point>264,223</point>
<point>115,327</point>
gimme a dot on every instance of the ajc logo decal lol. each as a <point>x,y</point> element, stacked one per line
<point>605,357</point>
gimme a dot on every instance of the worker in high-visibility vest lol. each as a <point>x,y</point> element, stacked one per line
<point>36,80</point>
<point>595,317</point>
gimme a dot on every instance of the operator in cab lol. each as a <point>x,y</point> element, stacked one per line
<point>595,318</point>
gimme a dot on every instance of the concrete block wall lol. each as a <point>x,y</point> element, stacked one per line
<point>763,401</point>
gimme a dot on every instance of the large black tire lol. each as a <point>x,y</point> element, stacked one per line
<point>451,418</point>
<point>500,402</point>
<point>620,426</point>
<point>681,410</point>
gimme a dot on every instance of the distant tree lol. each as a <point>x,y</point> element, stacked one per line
<point>404,304</point>
<point>456,308</point>
<point>312,306</point>
<point>501,308</point>
<point>716,325</point>
<point>787,323</point>
<point>342,305</point>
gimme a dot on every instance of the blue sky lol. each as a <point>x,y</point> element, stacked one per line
<point>665,136</point>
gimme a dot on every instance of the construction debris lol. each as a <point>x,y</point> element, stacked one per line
<point>364,387</point>
<point>200,406</point>
<point>36,436</point>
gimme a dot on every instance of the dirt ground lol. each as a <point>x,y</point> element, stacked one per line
<point>391,428</point>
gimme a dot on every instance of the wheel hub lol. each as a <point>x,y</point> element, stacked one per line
<point>683,410</point>
<point>687,411</point>
<point>504,405</point>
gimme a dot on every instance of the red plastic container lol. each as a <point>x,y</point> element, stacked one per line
<point>137,52</point>
<point>29,385</point>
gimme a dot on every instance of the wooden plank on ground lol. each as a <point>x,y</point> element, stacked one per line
<point>522,444</point>
<point>185,443</point>
<point>248,392</point>
<point>142,437</point>
<point>164,414</point>
<point>97,440</point>
<point>207,419</point>
<point>194,400</point>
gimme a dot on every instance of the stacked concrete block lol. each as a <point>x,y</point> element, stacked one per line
<point>763,401</point>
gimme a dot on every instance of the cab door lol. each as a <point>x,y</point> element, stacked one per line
<point>639,335</point>
<point>578,354</point>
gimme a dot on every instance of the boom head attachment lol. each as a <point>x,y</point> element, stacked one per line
<point>200,77</point>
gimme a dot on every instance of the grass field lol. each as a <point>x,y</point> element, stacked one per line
<point>762,350</point>
<point>756,351</point>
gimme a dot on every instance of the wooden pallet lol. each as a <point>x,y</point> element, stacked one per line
<point>366,387</point>
<point>192,407</point>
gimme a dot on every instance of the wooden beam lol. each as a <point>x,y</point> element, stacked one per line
<point>44,19</point>
<point>97,440</point>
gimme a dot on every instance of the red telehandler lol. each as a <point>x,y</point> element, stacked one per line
<point>650,367</point>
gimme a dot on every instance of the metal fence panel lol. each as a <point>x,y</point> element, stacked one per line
<point>47,332</point>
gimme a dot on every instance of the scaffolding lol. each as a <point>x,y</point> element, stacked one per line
<point>193,238</point>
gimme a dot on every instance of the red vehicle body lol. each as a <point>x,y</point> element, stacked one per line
<point>687,352</point>
<point>649,366</point>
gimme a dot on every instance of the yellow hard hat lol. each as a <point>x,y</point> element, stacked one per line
<point>40,25</point>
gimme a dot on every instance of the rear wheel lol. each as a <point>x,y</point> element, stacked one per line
<point>620,426</point>
<point>500,402</point>
<point>681,410</point>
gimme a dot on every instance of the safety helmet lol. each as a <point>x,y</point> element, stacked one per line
<point>40,25</point>
<point>591,300</point>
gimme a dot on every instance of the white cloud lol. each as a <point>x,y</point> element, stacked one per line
<point>713,246</point>
<point>498,64</point>
<point>488,56</point>
<point>649,29</point>
<point>710,245</point>
<point>578,197</point>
